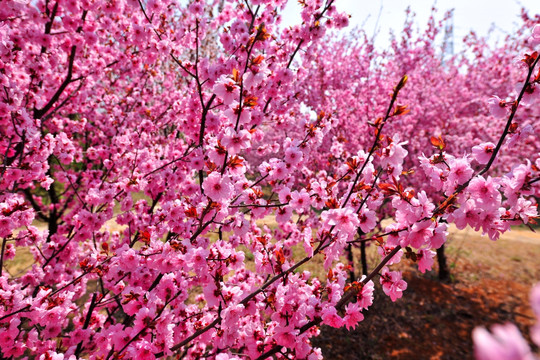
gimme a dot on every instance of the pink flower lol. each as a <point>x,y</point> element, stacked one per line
<point>139,33</point>
<point>300,201</point>
<point>196,8</point>
<point>286,337</point>
<point>503,343</point>
<point>420,234</point>
<point>198,258</point>
<point>534,39</point>
<point>522,134</point>
<point>392,283</point>
<point>293,155</point>
<point>254,77</point>
<point>367,220</point>
<point>218,188</point>
<point>153,6</point>
<point>531,93</point>
<point>5,151</point>
<point>226,40</point>
<point>283,214</point>
<point>460,171</point>
<point>535,304</point>
<point>439,236</point>
<point>233,113</point>
<point>525,210</point>
<point>211,294</point>
<point>235,141</point>
<point>143,317</point>
<point>279,170</point>
<point>353,315</point>
<point>331,318</point>
<point>129,259</point>
<point>516,180</point>
<point>341,20</point>
<point>425,261</point>
<point>344,220</point>
<point>224,356</point>
<point>365,296</point>
<point>225,88</point>
<point>485,191</point>
<point>284,195</point>
<point>144,350</point>
<point>55,356</point>
<point>394,155</point>
<point>482,153</point>
<point>467,214</point>
<point>497,107</point>
<point>432,172</point>
<point>424,204</point>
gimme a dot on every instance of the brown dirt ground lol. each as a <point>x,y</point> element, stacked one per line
<point>490,284</point>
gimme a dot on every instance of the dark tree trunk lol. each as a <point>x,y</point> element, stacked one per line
<point>350,257</point>
<point>444,272</point>
<point>363,258</point>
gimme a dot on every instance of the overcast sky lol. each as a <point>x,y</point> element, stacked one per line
<point>476,15</point>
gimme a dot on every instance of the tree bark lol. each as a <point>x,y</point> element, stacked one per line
<point>444,272</point>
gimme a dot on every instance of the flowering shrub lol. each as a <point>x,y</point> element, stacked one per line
<point>157,117</point>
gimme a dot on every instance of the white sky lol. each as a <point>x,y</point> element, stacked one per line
<point>476,15</point>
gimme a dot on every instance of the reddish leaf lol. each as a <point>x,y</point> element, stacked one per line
<point>236,76</point>
<point>331,203</point>
<point>235,162</point>
<point>191,212</point>
<point>438,142</point>
<point>250,101</point>
<point>145,237</point>
<point>400,110</point>
<point>280,257</point>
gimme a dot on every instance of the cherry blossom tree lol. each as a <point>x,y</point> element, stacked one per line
<point>157,140</point>
<point>445,104</point>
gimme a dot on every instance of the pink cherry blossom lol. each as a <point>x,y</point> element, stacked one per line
<point>217,187</point>
<point>300,201</point>
<point>425,259</point>
<point>535,304</point>
<point>485,191</point>
<point>344,220</point>
<point>460,171</point>
<point>353,315</point>
<point>534,40</point>
<point>365,295</point>
<point>497,107</point>
<point>482,153</point>
<point>293,156</point>
<point>392,283</point>
<point>234,141</point>
<point>367,220</point>
<point>504,342</point>
<point>331,318</point>
<point>226,89</point>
